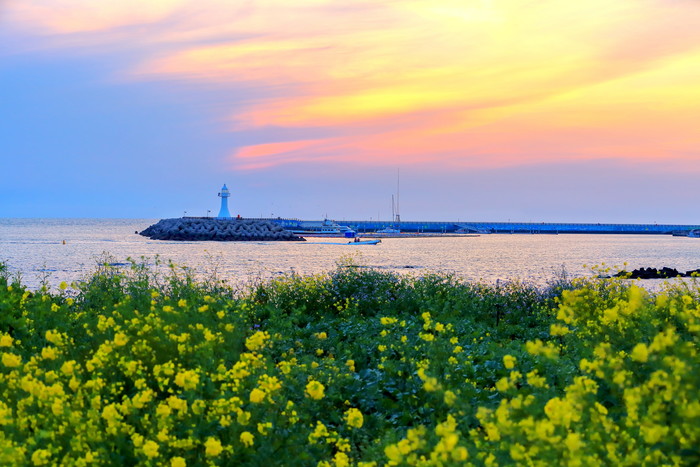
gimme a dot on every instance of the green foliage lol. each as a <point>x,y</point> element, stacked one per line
<point>355,366</point>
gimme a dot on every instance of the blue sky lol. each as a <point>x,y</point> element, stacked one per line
<point>308,111</point>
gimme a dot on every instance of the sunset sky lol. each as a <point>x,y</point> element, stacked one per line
<point>492,110</point>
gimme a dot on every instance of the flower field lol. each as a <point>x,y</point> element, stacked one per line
<point>353,367</point>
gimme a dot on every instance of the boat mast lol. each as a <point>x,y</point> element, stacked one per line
<point>398,192</point>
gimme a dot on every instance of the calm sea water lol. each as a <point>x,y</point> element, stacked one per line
<point>35,249</point>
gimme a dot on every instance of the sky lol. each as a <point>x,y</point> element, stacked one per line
<point>470,110</point>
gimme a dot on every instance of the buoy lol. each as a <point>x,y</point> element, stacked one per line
<point>64,242</point>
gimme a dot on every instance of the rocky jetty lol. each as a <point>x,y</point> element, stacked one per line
<point>224,230</point>
<point>653,273</point>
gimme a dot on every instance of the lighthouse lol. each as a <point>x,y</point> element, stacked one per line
<point>223,212</point>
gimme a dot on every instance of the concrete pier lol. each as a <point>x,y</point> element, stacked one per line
<point>447,227</point>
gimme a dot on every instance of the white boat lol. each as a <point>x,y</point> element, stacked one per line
<point>365,242</point>
<point>395,217</point>
<point>355,242</point>
<point>328,228</point>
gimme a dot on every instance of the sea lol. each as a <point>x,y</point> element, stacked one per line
<point>49,251</point>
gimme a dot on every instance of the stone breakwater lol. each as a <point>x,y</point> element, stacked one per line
<point>224,230</point>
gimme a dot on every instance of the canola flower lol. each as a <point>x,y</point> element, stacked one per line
<point>354,367</point>
<point>213,447</point>
<point>315,390</point>
<point>353,418</point>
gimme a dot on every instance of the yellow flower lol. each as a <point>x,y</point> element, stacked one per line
<point>321,335</point>
<point>449,397</point>
<point>319,432</point>
<point>653,433</point>
<point>41,457</point>
<point>68,367</point>
<point>573,442</point>
<point>503,384</point>
<point>11,360</point>
<point>393,453</point>
<point>120,339</point>
<point>640,353</point>
<point>178,462</point>
<point>460,453</point>
<point>182,303</point>
<point>49,353</point>
<point>187,379</point>
<point>54,337</point>
<point>509,362</point>
<point>247,438</point>
<point>263,427</point>
<point>354,418</point>
<point>257,340</point>
<point>315,390</point>
<point>535,380</point>
<point>63,285</point>
<point>341,460</point>
<point>6,340</point>
<point>150,448</point>
<point>213,447</point>
<point>257,396</point>
<point>431,384</point>
<point>517,452</point>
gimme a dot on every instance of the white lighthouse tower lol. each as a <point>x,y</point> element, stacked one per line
<point>223,212</point>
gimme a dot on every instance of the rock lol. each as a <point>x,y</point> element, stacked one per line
<point>651,273</point>
<point>202,229</point>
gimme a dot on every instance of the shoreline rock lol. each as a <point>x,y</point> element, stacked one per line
<point>653,273</point>
<point>220,230</point>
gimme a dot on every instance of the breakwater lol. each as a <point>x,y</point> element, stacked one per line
<point>226,230</point>
<point>496,227</point>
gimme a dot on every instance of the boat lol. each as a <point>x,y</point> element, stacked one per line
<point>328,228</point>
<point>365,242</point>
<point>395,217</point>
<point>693,233</point>
<point>354,242</point>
